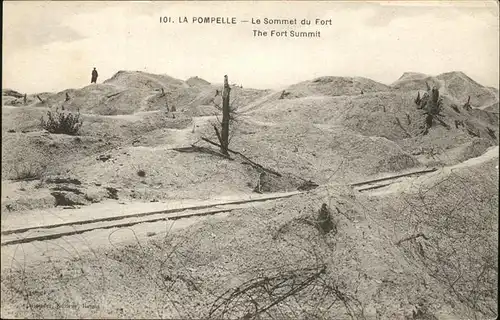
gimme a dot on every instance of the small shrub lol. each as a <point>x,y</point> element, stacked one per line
<point>62,122</point>
<point>418,99</point>
<point>491,132</point>
<point>455,108</point>
<point>325,221</point>
<point>283,95</point>
<point>467,105</point>
<point>112,193</point>
<point>141,173</point>
<point>28,172</point>
<point>434,103</point>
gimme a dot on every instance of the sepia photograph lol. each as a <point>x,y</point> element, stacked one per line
<point>250,160</point>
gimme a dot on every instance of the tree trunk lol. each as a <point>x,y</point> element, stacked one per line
<point>225,117</point>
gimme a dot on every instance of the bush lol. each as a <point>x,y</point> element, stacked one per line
<point>141,173</point>
<point>28,172</point>
<point>62,122</point>
<point>434,104</point>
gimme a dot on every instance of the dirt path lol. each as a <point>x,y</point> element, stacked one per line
<point>110,214</point>
<point>184,137</point>
<point>414,184</point>
<point>88,228</point>
<point>257,103</point>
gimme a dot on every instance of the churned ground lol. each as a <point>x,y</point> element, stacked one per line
<point>420,248</point>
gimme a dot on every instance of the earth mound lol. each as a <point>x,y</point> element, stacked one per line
<point>129,92</point>
<point>144,80</point>
<point>412,76</point>
<point>493,108</point>
<point>334,86</point>
<point>392,115</point>
<point>348,135</point>
<point>457,85</point>
<point>195,81</point>
<point>11,93</point>
<point>13,98</point>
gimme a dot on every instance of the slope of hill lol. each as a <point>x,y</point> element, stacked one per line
<point>129,92</point>
<point>334,86</point>
<point>11,97</point>
<point>143,80</point>
<point>388,256</point>
<point>421,248</point>
<point>408,76</point>
<point>493,108</point>
<point>195,81</point>
<point>457,85</point>
<point>323,129</point>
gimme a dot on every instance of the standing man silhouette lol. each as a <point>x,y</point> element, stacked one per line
<point>94,76</point>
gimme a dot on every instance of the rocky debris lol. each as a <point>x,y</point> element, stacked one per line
<point>308,185</point>
<point>112,193</point>
<point>103,157</point>
<point>272,183</point>
<point>29,202</point>
<point>12,93</point>
<point>95,196</point>
<point>325,221</point>
<point>67,189</point>
<point>263,183</point>
<point>60,180</point>
<point>64,198</point>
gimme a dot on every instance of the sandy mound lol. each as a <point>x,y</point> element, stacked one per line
<point>345,138</point>
<point>392,115</point>
<point>416,83</point>
<point>104,99</point>
<point>457,85</point>
<point>13,98</point>
<point>11,93</point>
<point>130,92</point>
<point>493,108</point>
<point>195,81</point>
<point>334,86</point>
<point>411,76</point>
<point>389,257</point>
<point>21,119</point>
<point>145,81</point>
<point>321,154</point>
<point>35,154</point>
<point>460,86</point>
<point>421,248</point>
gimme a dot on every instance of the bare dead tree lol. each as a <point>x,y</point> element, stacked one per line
<point>224,135</point>
<point>432,104</point>
<point>418,99</point>
<point>491,132</point>
<point>283,95</point>
<point>467,105</point>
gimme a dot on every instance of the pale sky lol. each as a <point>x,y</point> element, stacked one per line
<point>52,46</point>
